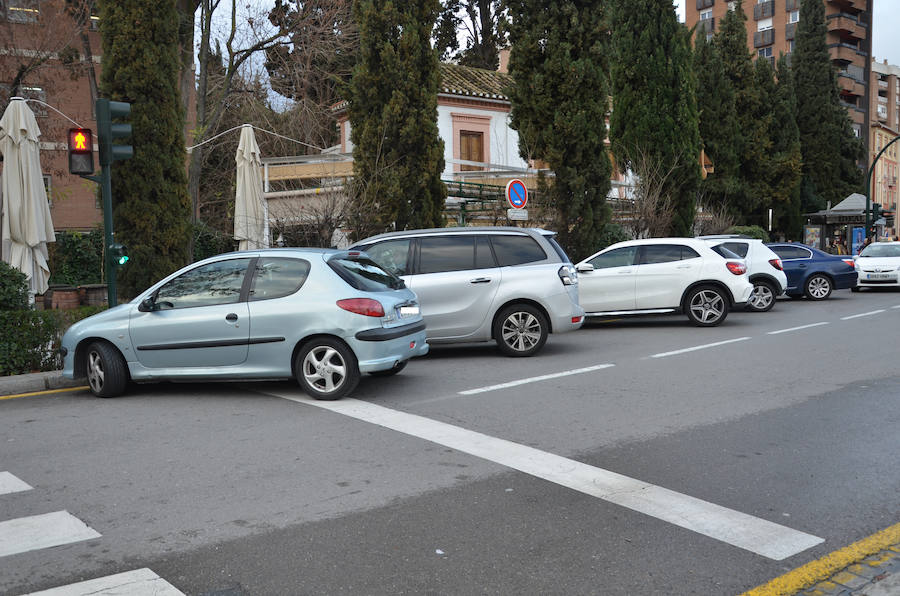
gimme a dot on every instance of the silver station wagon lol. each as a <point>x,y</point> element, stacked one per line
<point>512,285</point>
<point>320,316</point>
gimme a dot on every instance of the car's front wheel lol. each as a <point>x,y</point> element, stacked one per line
<point>106,371</point>
<point>520,330</point>
<point>326,368</point>
<point>762,298</point>
<point>707,306</point>
<point>818,287</point>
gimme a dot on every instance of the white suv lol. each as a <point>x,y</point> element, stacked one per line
<point>512,285</point>
<point>764,268</point>
<point>663,275</point>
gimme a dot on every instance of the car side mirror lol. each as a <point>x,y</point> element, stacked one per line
<point>148,304</point>
<point>584,268</point>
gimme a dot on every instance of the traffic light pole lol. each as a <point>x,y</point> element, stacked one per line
<point>869,221</point>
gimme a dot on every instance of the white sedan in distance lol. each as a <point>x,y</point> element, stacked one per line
<point>663,275</point>
<point>878,266</point>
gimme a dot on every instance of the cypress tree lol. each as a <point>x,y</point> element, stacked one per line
<point>787,160</point>
<point>719,130</point>
<point>654,113</point>
<point>829,147</point>
<point>559,106</point>
<point>757,160</point>
<point>398,156</point>
<point>151,206</point>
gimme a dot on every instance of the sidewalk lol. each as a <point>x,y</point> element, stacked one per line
<point>31,383</point>
<point>876,575</point>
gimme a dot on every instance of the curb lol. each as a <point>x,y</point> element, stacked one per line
<point>42,381</point>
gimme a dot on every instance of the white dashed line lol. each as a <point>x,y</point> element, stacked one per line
<point>25,534</point>
<point>564,373</point>
<point>865,314</point>
<point>703,347</point>
<point>898,306</point>
<point>797,328</point>
<point>756,535</point>
<point>140,582</point>
<point>11,484</point>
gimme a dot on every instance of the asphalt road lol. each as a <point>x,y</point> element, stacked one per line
<point>632,457</point>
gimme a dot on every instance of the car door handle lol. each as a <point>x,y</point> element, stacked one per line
<point>231,317</point>
<point>683,267</point>
<point>624,272</point>
<point>480,280</point>
<point>801,266</point>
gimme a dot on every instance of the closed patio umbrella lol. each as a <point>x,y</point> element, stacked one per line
<point>249,210</point>
<point>26,227</point>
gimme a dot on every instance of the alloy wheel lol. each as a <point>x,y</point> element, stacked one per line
<point>521,331</point>
<point>324,369</point>
<point>707,306</point>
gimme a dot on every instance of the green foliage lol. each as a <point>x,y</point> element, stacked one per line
<point>611,234</point>
<point>751,231</point>
<point>13,290</point>
<point>787,158</point>
<point>559,106</point>
<point>151,206</point>
<point>830,149</point>
<point>398,156</point>
<point>31,338</point>
<point>654,117</point>
<point>209,242</point>
<point>485,24</point>
<point>76,258</point>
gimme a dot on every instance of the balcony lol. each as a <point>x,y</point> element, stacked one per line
<point>791,5</point>
<point>701,4</point>
<point>789,30</point>
<point>846,26</point>
<point>764,38</point>
<point>843,52</point>
<point>764,10</point>
<point>850,86</point>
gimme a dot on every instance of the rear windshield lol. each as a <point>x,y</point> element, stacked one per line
<point>725,252</point>
<point>364,274</point>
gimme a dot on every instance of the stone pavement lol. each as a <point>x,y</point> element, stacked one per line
<point>876,575</point>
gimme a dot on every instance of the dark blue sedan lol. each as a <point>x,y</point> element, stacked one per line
<point>813,273</point>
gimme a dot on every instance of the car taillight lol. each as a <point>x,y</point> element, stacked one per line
<point>568,275</point>
<point>850,262</point>
<point>777,264</point>
<point>736,268</point>
<point>362,306</point>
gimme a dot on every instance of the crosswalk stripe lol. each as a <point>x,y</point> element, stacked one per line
<point>35,532</point>
<point>754,534</point>
<point>11,484</point>
<point>140,582</point>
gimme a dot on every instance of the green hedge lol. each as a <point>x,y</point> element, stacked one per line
<point>31,338</point>
<point>76,258</point>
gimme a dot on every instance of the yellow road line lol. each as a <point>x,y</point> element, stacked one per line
<point>823,568</point>
<point>2,397</point>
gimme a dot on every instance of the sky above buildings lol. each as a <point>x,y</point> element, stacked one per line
<point>886,25</point>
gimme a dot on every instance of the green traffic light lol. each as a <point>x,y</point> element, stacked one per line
<point>123,259</point>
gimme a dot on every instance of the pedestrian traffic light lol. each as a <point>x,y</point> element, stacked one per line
<point>81,151</point>
<point>108,131</point>
<point>118,254</point>
<point>876,212</point>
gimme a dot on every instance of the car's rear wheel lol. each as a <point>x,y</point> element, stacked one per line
<point>389,372</point>
<point>818,287</point>
<point>762,298</point>
<point>520,330</point>
<point>326,368</point>
<point>707,306</point>
<point>106,371</point>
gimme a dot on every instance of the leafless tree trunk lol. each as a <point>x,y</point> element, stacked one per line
<point>653,204</point>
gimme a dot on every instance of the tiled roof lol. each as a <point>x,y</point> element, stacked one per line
<point>474,82</point>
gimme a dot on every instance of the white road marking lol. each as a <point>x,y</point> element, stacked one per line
<point>25,534</point>
<point>865,314</point>
<point>140,582</point>
<point>756,535</point>
<point>564,373</point>
<point>695,348</point>
<point>11,484</point>
<point>797,328</point>
<point>898,306</point>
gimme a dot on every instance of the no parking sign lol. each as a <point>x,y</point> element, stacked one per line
<point>516,194</point>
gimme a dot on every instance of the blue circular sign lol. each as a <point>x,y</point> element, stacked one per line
<point>517,194</point>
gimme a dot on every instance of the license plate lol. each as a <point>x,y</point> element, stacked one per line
<point>409,311</point>
<point>880,276</point>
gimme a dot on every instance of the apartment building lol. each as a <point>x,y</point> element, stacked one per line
<point>772,25</point>
<point>885,110</point>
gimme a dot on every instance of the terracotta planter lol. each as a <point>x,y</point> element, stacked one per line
<point>93,294</point>
<point>65,298</point>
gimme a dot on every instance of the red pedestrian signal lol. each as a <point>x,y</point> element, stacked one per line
<point>81,151</point>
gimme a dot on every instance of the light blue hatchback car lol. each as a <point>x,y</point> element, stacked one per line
<point>320,316</point>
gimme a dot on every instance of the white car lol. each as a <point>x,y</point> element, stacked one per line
<point>764,268</point>
<point>663,275</point>
<point>878,266</point>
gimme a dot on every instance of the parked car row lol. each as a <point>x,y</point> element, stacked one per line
<point>325,316</point>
